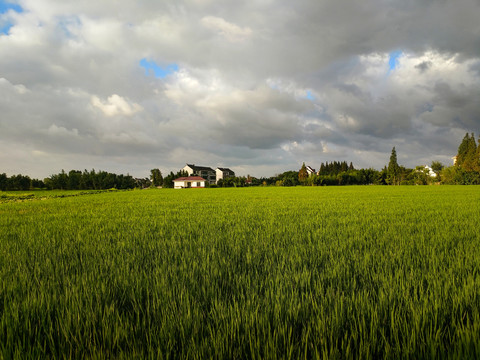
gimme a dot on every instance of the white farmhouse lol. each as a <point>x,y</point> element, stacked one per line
<point>189,182</point>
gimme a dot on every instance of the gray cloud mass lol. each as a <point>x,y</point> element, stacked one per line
<point>258,86</point>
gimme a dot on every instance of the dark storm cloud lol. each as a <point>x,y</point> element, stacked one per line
<point>423,66</point>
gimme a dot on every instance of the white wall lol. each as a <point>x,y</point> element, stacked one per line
<point>184,184</point>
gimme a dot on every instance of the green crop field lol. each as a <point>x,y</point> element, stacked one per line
<point>307,272</point>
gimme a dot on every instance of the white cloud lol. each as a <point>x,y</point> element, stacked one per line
<point>18,89</point>
<point>61,131</point>
<point>231,32</point>
<point>116,105</point>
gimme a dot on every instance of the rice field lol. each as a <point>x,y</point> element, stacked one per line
<point>308,272</point>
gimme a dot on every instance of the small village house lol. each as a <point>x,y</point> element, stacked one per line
<point>189,182</point>
<point>205,172</point>
<point>224,173</point>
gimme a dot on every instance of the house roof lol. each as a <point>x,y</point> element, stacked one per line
<point>190,178</point>
<point>309,168</point>
<point>199,168</point>
<point>224,169</point>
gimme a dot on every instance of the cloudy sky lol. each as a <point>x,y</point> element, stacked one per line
<point>259,86</point>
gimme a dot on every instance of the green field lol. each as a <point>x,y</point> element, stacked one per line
<point>306,272</point>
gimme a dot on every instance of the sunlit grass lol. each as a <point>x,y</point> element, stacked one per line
<point>243,273</point>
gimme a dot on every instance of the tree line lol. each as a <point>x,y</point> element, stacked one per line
<point>73,180</point>
<point>466,170</point>
<point>89,180</point>
<point>18,182</point>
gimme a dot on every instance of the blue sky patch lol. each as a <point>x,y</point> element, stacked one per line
<point>6,24</point>
<point>310,96</point>
<point>393,60</point>
<point>5,28</point>
<point>5,6</point>
<point>67,23</point>
<point>159,71</point>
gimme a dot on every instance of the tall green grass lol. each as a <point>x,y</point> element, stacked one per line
<point>370,272</point>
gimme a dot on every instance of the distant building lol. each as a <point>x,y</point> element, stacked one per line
<point>223,173</point>
<point>205,172</point>
<point>454,159</point>
<point>430,171</point>
<point>310,171</point>
<point>189,182</point>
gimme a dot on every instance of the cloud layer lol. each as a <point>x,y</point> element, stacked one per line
<point>258,86</point>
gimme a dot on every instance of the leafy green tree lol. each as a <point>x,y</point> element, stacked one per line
<point>74,178</point>
<point>143,183</point>
<point>156,177</point>
<point>19,182</point>
<point>3,181</point>
<point>393,170</point>
<point>420,175</point>
<point>437,167</point>
<point>37,184</point>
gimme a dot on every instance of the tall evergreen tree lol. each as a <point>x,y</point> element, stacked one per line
<point>393,170</point>
<point>463,150</point>
<point>469,161</point>
<point>477,157</point>
<point>303,174</point>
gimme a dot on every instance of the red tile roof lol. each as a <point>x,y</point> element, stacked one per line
<point>190,178</point>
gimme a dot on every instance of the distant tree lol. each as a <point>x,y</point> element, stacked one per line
<point>381,177</point>
<point>469,161</point>
<point>109,180</point>
<point>76,180</point>
<point>37,184</point>
<point>168,180</point>
<point>321,171</point>
<point>369,175</point>
<point>421,176</point>
<point>3,181</point>
<point>437,167</point>
<point>19,182</point>
<point>303,174</point>
<point>289,178</point>
<point>74,177</point>
<point>156,177</point>
<point>393,170</point>
<point>143,183</point>
<point>465,148</point>
<point>477,157</point>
